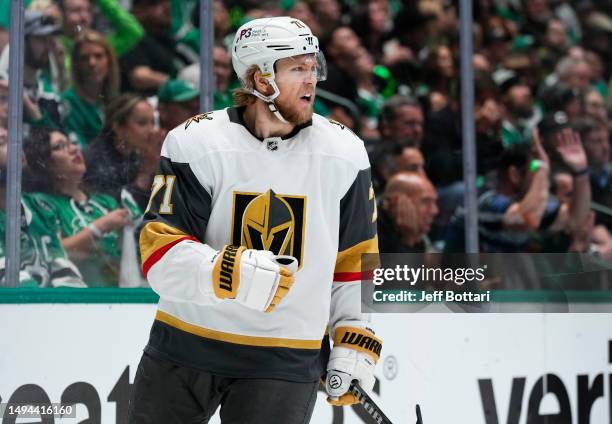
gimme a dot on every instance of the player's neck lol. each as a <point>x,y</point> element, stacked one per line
<point>261,121</point>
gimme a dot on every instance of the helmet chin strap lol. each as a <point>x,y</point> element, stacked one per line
<point>270,100</point>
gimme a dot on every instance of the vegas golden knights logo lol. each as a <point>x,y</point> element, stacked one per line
<point>270,221</point>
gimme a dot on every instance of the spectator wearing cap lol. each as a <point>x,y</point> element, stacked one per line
<point>178,101</point>
<point>550,129</point>
<point>562,97</point>
<point>42,86</point>
<point>519,113</point>
<point>78,15</point>
<point>408,209</point>
<point>95,79</point>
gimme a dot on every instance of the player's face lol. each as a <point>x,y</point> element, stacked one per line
<point>296,78</point>
<point>66,157</point>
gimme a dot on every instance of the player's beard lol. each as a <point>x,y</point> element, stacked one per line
<point>293,114</point>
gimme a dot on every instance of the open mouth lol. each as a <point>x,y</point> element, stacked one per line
<point>306,98</point>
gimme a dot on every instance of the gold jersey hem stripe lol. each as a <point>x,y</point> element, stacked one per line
<point>236,338</point>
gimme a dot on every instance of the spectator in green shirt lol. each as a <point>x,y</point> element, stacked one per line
<point>89,222</point>
<point>95,78</point>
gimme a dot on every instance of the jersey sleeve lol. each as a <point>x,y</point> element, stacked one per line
<point>174,257</point>
<point>357,237</point>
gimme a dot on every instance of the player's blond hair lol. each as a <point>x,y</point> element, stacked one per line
<point>243,96</point>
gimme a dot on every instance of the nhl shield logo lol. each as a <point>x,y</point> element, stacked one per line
<point>270,221</point>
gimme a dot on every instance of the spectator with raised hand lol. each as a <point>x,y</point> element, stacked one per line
<point>88,221</point>
<point>127,150</point>
<point>595,138</point>
<point>95,78</point>
<point>78,16</point>
<point>408,209</point>
<point>520,209</point>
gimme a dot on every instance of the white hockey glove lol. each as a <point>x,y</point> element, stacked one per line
<point>354,356</point>
<point>257,279</point>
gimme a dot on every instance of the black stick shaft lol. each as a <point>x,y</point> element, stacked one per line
<point>368,404</point>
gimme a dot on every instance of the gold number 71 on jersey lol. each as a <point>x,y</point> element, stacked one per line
<point>165,208</point>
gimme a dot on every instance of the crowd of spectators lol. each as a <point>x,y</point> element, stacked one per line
<point>105,80</point>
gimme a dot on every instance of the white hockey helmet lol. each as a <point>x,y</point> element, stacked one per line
<point>263,41</point>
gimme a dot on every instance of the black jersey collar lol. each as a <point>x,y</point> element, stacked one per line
<point>236,115</point>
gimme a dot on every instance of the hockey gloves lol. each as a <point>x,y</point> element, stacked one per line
<point>257,279</point>
<point>354,356</point>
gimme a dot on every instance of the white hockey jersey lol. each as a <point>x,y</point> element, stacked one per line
<point>307,195</point>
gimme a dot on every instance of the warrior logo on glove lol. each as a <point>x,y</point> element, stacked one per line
<point>335,381</point>
<point>270,221</point>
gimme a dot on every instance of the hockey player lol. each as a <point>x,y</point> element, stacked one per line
<point>253,238</point>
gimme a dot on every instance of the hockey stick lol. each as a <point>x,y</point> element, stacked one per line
<point>371,408</point>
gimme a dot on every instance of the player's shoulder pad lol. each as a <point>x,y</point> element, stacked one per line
<point>342,141</point>
<point>194,137</point>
